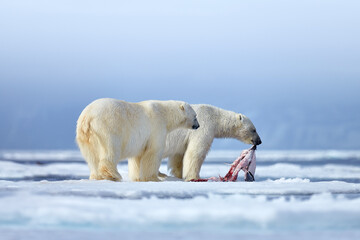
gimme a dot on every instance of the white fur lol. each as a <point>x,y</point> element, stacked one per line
<point>187,149</point>
<point>110,130</point>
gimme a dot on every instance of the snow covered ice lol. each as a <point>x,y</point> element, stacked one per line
<point>297,195</point>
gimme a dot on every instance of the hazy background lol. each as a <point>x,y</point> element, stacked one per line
<point>293,67</point>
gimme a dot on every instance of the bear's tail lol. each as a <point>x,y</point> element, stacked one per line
<point>83,130</point>
<point>87,144</point>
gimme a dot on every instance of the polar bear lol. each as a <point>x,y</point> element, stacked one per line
<point>187,149</point>
<point>110,130</point>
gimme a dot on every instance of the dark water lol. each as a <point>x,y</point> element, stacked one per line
<point>349,162</point>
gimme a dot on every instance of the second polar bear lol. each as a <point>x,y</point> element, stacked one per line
<point>110,130</point>
<point>187,149</point>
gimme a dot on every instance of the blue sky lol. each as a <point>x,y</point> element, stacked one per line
<point>291,66</point>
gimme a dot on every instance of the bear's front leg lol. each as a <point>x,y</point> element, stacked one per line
<point>134,169</point>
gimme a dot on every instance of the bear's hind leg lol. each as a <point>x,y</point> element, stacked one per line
<point>162,176</point>
<point>149,166</point>
<point>107,168</point>
<point>108,171</point>
<point>193,159</point>
<point>90,152</point>
<point>175,164</point>
<point>109,156</point>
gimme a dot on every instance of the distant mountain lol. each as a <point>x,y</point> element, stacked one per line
<point>280,128</point>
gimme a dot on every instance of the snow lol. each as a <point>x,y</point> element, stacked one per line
<point>170,206</point>
<point>288,201</point>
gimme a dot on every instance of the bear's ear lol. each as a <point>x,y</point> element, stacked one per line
<point>182,107</point>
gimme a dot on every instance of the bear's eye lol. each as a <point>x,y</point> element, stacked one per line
<point>254,130</point>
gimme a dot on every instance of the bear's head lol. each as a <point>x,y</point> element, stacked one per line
<point>190,119</point>
<point>245,131</point>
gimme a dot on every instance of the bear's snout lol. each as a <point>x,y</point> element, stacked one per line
<point>196,124</point>
<point>257,141</point>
